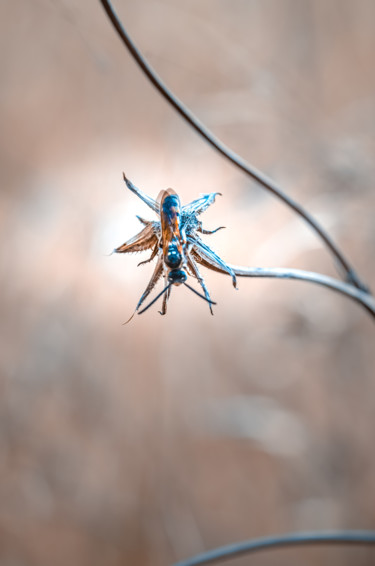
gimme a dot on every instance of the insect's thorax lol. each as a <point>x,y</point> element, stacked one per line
<point>173,255</point>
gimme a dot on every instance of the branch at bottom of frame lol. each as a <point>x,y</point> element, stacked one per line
<point>232,551</point>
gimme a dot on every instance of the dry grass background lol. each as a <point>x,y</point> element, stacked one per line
<point>144,444</point>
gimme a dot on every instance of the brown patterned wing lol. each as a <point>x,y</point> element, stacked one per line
<point>144,240</point>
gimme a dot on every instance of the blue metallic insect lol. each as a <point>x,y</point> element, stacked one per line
<point>175,243</point>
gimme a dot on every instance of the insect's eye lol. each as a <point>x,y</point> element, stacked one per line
<point>173,258</point>
<point>177,276</point>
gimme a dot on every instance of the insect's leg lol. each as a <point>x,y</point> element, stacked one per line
<point>203,231</point>
<point>165,298</point>
<point>156,298</point>
<point>154,279</point>
<point>154,252</point>
<point>195,271</point>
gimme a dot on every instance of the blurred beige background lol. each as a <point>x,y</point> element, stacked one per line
<point>147,443</point>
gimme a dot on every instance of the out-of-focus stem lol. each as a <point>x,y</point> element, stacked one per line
<point>290,540</point>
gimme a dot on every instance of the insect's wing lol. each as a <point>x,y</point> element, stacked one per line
<point>165,301</point>
<point>143,221</point>
<point>202,261</point>
<point>145,240</point>
<point>207,257</point>
<point>146,199</point>
<point>200,205</point>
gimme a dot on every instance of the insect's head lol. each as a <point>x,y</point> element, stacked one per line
<point>173,257</point>
<point>177,276</point>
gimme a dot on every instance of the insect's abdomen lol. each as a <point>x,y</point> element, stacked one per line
<point>170,210</point>
<point>170,215</point>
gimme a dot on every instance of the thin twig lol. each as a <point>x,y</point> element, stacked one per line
<point>258,176</point>
<point>365,299</point>
<point>291,540</point>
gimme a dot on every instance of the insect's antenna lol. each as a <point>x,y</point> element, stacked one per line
<point>199,294</point>
<point>156,298</point>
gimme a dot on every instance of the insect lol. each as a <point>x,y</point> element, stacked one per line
<point>173,239</point>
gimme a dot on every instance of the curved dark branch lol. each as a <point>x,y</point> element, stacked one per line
<point>350,274</point>
<point>292,540</point>
<point>365,299</point>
